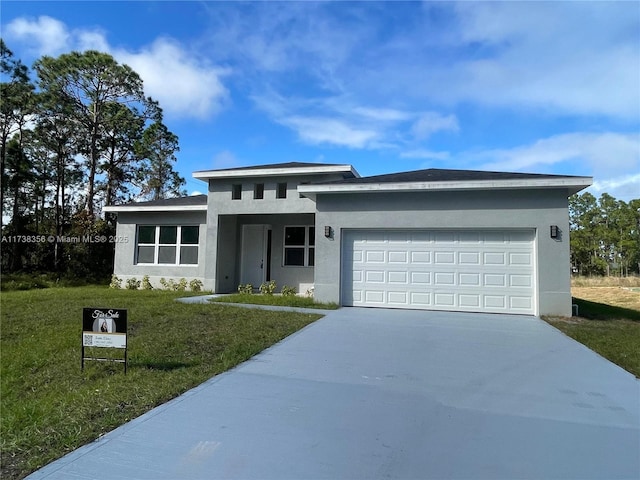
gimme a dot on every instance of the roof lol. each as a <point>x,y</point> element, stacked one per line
<point>193,202</point>
<point>447,180</point>
<point>444,175</point>
<point>278,169</point>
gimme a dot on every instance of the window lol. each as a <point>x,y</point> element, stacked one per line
<point>258,191</point>
<point>167,244</point>
<point>299,246</point>
<point>282,190</point>
<point>236,191</point>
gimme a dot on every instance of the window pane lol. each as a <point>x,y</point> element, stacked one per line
<point>312,257</point>
<point>146,234</point>
<point>294,235</point>
<point>145,254</point>
<point>294,257</point>
<point>258,191</point>
<point>282,190</point>
<point>166,254</point>
<point>189,255</point>
<point>168,235</point>
<point>236,192</point>
<point>312,235</point>
<point>189,235</point>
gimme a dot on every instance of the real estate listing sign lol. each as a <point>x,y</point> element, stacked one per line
<point>105,328</point>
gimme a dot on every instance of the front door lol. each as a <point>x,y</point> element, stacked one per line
<point>253,264</point>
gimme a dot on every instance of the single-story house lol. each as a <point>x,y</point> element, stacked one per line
<point>432,239</point>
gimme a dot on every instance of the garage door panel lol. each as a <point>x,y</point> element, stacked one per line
<point>521,281</point>
<point>420,257</point>
<point>463,270</point>
<point>374,256</point>
<point>374,276</point>
<point>398,298</point>
<point>444,258</point>
<point>420,299</point>
<point>399,257</point>
<point>444,278</point>
<point>469,301</point>
<point>469,279</point>
<point>469,258</point>
<point>374,296</point>
<point>399,277</point>
<point>420,278</point>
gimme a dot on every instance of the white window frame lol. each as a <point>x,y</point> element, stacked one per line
<point>307,246</point>
<point>157,245</point>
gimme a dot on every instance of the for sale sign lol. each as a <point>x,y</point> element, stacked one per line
<point>104,327</point>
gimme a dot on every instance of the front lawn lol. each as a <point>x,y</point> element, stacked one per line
<point>608,323</point>
<point>50,407</point>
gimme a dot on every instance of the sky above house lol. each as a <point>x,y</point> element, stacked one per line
<point>537,87</point>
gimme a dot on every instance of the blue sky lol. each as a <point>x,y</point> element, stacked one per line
<point>541,87</point>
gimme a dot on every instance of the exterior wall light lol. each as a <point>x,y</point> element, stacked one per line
<point>327,231</point>
<point>554,231</point>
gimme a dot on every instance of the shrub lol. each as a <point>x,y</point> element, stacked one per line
<point>195,285</point>
<point>288,291</point>
<point>115,282</point>
<point>246,289</point>
<point>133,284</point>
<point>181,285</point>
<point>310,292</point>
<point>146,284</point>
<point>268,288</point>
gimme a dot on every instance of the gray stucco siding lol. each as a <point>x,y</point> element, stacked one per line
<point>229,250</point>
<point>221,202</point>
<point>521,209</point>
<point>125,266</point>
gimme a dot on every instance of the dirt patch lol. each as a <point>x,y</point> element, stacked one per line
<point>617,296</point>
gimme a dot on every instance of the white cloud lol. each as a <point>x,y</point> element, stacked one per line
<point>607,152</point>
<point>572,57</point>
<point>184,86</point>
<point>431,122</point>
<point>42,36</point>
<point>318,130</point>
<point>425,154</point>
<point>612,159</point>
<point>225,159</point>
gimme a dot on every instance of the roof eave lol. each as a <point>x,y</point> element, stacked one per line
<point>572,184</point>
<point>155,208</point>
<point>275,172</point>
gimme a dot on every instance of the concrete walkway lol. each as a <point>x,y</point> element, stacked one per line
<point>368,393</point>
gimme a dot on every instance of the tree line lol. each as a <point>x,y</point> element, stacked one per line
<point>77,133</point>
<point>605,235</point>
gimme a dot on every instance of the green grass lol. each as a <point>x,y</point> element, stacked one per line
<point>278,300</point>
<point>50,407</point>
<point>611,331</point>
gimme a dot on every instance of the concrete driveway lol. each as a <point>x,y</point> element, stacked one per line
<point>368,393</point>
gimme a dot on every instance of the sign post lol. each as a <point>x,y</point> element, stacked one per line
<point>104,328</point>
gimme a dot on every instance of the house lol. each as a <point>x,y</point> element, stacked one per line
<point>430,239</point>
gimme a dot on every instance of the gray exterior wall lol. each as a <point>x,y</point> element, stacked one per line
<point>230,254</point>
<point>225,218</point>
<point>536,209</point>
<point>125,252</point>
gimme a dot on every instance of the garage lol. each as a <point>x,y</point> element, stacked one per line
<point>455,270</point>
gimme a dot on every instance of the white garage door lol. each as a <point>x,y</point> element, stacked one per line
<point>456,270</point>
